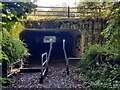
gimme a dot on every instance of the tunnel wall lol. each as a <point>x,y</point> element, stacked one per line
<point>36,46</point>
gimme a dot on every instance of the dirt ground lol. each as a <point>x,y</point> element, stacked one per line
<point>56,78</point>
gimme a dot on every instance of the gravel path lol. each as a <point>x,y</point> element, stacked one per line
<point>56,78</point>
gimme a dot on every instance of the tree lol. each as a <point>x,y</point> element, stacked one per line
<point>94,9</point>
<point>13,49</point>
<point>13,12</point>
<point>103,62</point>
<point>112,32</point>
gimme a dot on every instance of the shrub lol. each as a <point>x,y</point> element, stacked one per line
<point>13,48</point>
<point>89,62</point>
<point>102,72</point>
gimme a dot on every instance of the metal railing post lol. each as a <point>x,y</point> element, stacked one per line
<point>50,49</point>
<point>45,63</point>
<point>11,67</point>
<point>67,63</point>
<point>42,65</point>
<point>21,63</point>
<point>68,12</point>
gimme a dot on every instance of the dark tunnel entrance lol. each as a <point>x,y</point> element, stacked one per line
<point>34,39</point>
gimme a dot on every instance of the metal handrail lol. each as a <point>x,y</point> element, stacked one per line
<point>45,63</point>
<point>15,63</point>
<point>12,73</point>
<point>51,44</point>
<point>64,49</point>
<point>10,66</point>
<point>74,58</point>
<point>66,59</point>
<point>42,61</point>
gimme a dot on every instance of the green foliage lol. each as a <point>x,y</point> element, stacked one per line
<point>4,80</point>
<point>102,72</point>
<point>94,9</point>
<point>13,12</point>
<point>14,49</point>
<point>89,60</point>
<point>17,28</point>
<point>112,32</point>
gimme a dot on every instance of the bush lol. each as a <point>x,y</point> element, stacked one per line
<point>13,48</point>
<point>99,67</point>
<point>104,71</point>
<point>89,63</point>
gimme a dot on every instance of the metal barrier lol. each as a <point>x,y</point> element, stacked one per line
<point>11,67</point>
<point>59,12</point>
<point>69,12</point>
<point>44,64</point>
<point>67,59</point>
<point>51,44</point>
